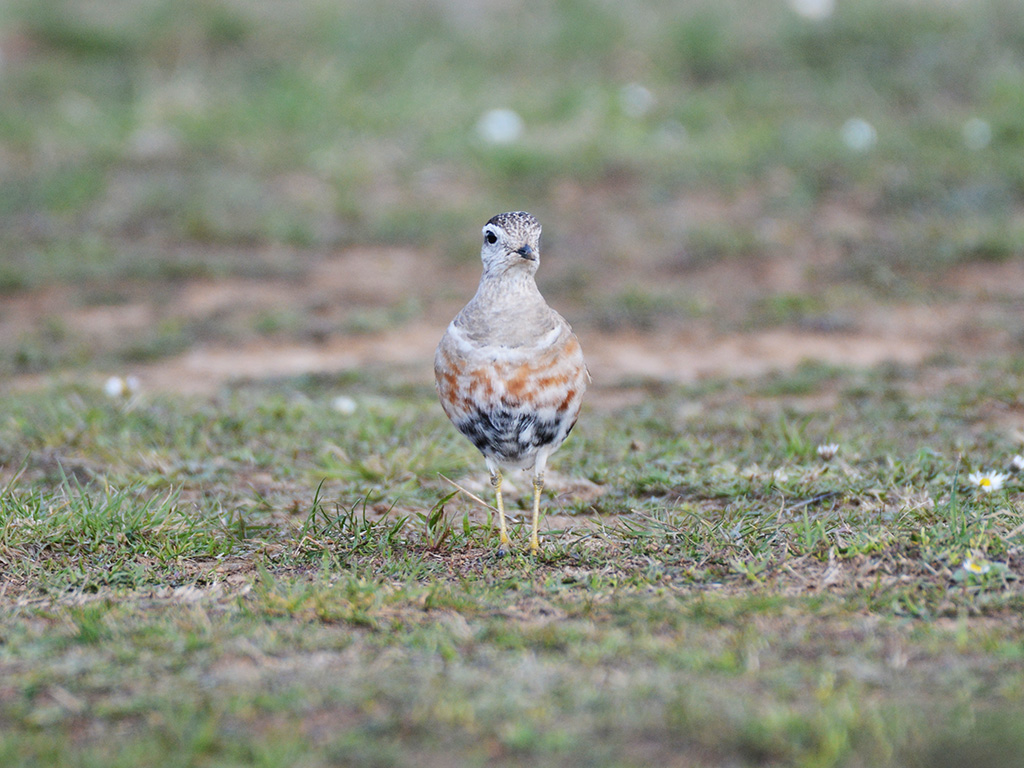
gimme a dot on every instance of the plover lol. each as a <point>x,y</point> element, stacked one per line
<point>509,370</point>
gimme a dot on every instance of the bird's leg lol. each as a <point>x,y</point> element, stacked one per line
<point>539,465</point>
<point>496,483</point>
<point>538,486</point>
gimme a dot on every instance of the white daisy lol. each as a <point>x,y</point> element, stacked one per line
<point>813,9</point>
<point>116,387</point>
<point>499,126</point>
<point>858,134</point>
<point>977,133</point>
<point>978,565</point>
<point>344,405</point>
<point>988,481</point>
<point>827,451</point>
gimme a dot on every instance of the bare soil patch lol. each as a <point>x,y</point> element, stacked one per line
<point>385,308</point>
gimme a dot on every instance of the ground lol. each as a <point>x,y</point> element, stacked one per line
<point>272,548</point>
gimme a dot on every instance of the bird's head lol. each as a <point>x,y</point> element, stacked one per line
<point>511,242</point>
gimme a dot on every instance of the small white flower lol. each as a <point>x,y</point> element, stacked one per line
<point>813,9</point>
<point>344,405</point>
<point>858,134</point>
<point>499,126</point>
<point>636,100</point>
<point>1017,463</point>
<point>988,481</point>
<point>116,387</point>
<point>977,565</point>
<point>977,133</point>
<point>827,451</point>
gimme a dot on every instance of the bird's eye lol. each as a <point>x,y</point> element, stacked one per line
<point>490,238</point>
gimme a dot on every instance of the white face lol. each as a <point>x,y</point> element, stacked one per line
<point>511,241</point>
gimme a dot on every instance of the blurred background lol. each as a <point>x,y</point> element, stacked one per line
<point>194,192</point>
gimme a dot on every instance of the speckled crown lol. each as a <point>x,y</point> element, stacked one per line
<point>519,224</point>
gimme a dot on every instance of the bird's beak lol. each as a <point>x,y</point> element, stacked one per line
<point>527,253</point>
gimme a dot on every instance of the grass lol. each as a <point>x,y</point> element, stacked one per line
<point>215,579</point>
<point>169,144</point>
<point>258,577</point>
<point>224,123</point>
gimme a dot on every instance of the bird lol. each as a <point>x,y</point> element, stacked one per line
<point>509,370</point>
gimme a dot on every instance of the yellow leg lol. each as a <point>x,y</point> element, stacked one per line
<point>503,531</point>
<point>538,486</point>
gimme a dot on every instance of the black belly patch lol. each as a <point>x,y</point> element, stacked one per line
<point>507,435</point>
